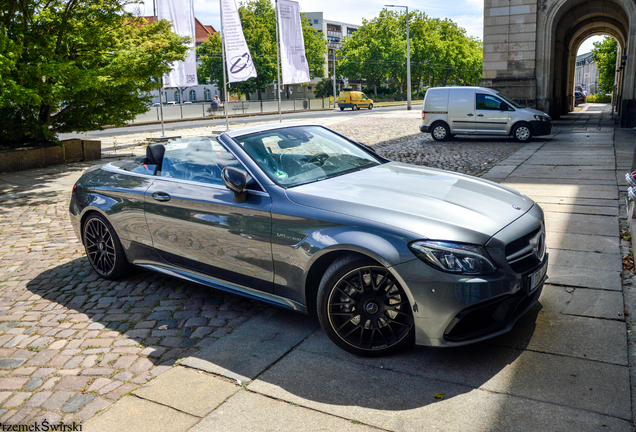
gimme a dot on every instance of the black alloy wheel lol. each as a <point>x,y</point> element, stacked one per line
<point>363,309</point>
<point>103,248</point>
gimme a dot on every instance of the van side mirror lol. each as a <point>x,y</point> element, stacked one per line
<point>235,180</point>
<point>503,106</point>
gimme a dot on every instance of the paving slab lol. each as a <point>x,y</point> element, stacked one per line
<point>575,336</point>
<point>408,402</point>
<point>589,260</point>
<point>252,412</point>
<point>193,392</point>
<point>133,414</point>
<point>581,224</point>
<point>582,242</point>
<point>575,201</point>
<point>569,190</point>
<point>585,277</point>
<point>579,209</point>
<point>258,343</point>
<point>568,381</point>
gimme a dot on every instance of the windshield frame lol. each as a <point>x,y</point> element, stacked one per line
<point>368,151</point>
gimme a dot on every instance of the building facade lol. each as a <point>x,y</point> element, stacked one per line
<point>586,73</point>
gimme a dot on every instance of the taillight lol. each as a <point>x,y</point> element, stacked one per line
<point>74,188</point>
<point>423,114</point>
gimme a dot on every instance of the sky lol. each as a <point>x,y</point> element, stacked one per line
<point>468,14</point>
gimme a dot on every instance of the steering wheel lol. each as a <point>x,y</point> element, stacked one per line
<point>318,158</point>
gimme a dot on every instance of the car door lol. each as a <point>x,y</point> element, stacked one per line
<point>461,110</point>
<point>195,223</point>
<point>490,118</point>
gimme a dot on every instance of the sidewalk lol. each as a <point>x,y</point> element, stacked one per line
<point>565,366</point>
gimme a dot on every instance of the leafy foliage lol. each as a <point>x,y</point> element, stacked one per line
<point>441,52</point>
<point>76,65</point>
<point>605,57</point>
<point>324,88</point>
<point>259,27</point>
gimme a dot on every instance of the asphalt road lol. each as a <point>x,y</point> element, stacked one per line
<point>301,115</point>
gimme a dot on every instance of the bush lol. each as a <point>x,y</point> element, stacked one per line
<point>599,98</point>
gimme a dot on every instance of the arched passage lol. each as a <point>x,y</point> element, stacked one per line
<point>530,50</point>
<point>567,24</point>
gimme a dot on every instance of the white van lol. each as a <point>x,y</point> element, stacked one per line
<point>477,110</point>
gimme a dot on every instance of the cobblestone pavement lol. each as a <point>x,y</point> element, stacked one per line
<point>71,344</point>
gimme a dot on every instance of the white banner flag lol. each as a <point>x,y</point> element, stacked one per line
<point>239,61</point>
<point>181,14</point>
<point>292,45</point>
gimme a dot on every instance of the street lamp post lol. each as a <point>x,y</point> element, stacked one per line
<point>408,58</point>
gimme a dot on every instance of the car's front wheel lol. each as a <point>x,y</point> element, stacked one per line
<point>370,106</point>
<point>103,248</point>
<point>363,309</point>
<point>341,108</point>
<point>522,132</point>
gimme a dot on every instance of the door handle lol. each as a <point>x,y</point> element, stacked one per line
<point>469,115</point>
<point>480,115</point>
<point>161,196</point>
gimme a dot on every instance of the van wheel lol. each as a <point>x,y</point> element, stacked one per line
<point>440,132</point>
<point>341,108</point>
<point>354,108</point>
<point>370,106</point>
<point>522,132</point>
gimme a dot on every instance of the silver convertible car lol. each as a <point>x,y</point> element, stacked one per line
<point>386,254</point>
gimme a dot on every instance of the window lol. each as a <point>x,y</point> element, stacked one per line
<point>193,96</point>
<point>315,21</point>
<point>488,102</point>
<point>197,159</point>
<point>207,94</point>
<point>177,96</point>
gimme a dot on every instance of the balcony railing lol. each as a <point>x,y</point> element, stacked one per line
<point>334,34</point>
<point>334,45</point>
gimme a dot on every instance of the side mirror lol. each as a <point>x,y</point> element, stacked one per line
<point>503,106</point>
<point>235,179</point>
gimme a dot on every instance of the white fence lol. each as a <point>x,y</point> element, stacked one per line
<point>198,110</point>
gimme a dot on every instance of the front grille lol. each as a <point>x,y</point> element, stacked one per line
<point>526,253</point>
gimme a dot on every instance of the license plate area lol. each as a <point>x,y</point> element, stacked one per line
<point>535,279</point>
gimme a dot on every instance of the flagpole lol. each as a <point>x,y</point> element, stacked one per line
<point>225,107</point>
<point>280,114</point>
<point>163,131</point>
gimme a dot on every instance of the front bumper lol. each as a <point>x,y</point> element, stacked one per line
<point>541,127</point>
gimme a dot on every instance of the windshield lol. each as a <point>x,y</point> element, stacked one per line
<point>304,154</point>
<point>510,101</point>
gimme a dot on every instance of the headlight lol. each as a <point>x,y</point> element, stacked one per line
<point>541,118</point>
<point>454,257</point>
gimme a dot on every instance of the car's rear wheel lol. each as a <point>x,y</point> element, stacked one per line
<point>522,132</point>
<point>440,131</point>
<point>103,248</point>
<point>363,309</point>
<point>355,108</point>
<point>341,108</point>
<point>370,106</point>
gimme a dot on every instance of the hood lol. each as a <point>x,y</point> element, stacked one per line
<point>535,112</point>
<point>430,203</point>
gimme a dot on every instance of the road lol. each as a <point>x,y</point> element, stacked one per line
<point>301,115</point>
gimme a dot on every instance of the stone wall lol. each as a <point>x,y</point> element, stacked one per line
<point>69,151</point>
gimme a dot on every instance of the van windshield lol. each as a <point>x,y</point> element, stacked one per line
<point>510,101</point>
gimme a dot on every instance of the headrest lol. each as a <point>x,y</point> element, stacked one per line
<point>154,153</point>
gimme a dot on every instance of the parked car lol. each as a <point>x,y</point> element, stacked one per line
<point>156,104</point>
<point>355,100</point>
<point>171,103</point>
<point>386,254</point>
<point>579,98</point>
<point>477,110</point>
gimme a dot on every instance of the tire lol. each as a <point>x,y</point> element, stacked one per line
<point>522,132</point>
<point>363,309</point>
<point>440,131</point>
<point>370,106</point>
<point>103,248</point>
<point>355,108</point>
<point>341,108</point>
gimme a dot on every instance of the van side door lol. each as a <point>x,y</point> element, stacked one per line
<point>461,110</point>
<point>489,115</point>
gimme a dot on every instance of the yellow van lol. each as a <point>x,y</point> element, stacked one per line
<point>355,100</point>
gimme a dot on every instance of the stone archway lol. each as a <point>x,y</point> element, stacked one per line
<point>530,49</point>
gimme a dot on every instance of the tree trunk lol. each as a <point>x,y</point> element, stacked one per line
<point>260,95</point>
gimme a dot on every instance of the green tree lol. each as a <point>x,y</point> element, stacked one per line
<point>76,65</point>
<point>605,58</point>
<point>259,27</point>
<point>324,88</point>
